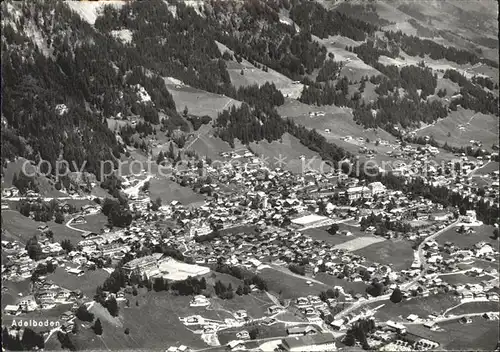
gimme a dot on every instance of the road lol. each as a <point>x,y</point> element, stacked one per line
<point>48,199</point>
<point>455,317</point>
<point>421,257</point>
<point>68,225</point>
<point>405,286</point>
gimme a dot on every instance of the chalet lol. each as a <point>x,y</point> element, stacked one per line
<point>236,345</point>
<point>144,263</point>
<point>75,271</point>
<point>28,304</point>
<point>79,220</point>
<point>301,330</point>
<point>10,192</point>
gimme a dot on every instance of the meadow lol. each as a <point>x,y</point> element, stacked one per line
<point>398,254</point>
<point>21,228</point>
<point>480,335</point>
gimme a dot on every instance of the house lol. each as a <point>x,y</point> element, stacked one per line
<point>337,324</point>
<point>199,301</point>
<point>484,250</point>
<point>492,296</point>
<point>301,330</point>
<point>43,228</point>
<point>10,192</point>
<point>75,271</point>
<point>440,216</point>
<point>79,220</point>
<point>90,209</point>
<point>243,335</point>
<point>143,263</point>
<point>88,234</point>
<point>399,328</point>
<point>316,342</point>
<point>275,309</point>
<point>376,187</point>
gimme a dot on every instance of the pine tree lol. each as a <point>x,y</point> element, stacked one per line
<point>396,296</point>
<point>97,327</point>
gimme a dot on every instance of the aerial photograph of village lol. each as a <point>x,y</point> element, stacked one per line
<point>250,175</point>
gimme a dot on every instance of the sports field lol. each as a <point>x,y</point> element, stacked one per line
<point>480,335</point>
<point>482,233</point>
<point>462,126</point>
<point>169,191</point>
<point>198,102</point>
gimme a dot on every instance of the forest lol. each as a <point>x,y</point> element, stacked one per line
<point>472,96</point>
<point>312,17</point>
<point>90,75</point>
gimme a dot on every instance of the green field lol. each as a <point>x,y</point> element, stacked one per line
<point>476,126</point>
<point>95,223</point>
<point>169,191</point>
<point>206,144</point>
<point>488,168</point>
<point>255,304</point>
<point>483,233</point>
<point>480,335</point>
<point>287,286</point>
<point>474,307</point>
<point>398,254</point>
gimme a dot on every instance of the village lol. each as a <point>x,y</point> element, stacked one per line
<point>307,226</point>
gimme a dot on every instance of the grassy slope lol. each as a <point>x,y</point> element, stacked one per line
<point>396,253</point>
<point>483,233</point>
<point>289,286</point>
<point>198,102</point>
<point>168,191</point>
<point>289,149</point>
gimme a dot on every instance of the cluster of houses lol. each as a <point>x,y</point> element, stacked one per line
<point>263,224</point>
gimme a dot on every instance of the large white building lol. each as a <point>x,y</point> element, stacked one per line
<point>376,187</point>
